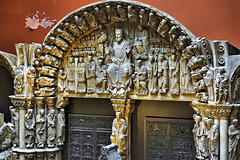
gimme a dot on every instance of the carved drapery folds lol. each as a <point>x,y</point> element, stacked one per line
<point>117,50</point>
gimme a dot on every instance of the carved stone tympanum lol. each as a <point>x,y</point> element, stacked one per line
<point>124,51</point>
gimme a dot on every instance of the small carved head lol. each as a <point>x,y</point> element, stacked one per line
<point>62,111</point>
<point>42,112</point>
<point>210,122</point>
<point>89,58</point>
<point>235,122</point>
<point>100,61</point>
<point>96,9</point>
<point>139,62</point>
<point>81,59</point>
<point>118,114</point>
<point>119,35</point>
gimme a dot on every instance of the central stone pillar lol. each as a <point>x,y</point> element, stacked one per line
<point>121,128</point>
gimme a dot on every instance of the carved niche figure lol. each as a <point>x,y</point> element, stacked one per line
<point>186,79</point>
<point>102,39</point>
<point>119,133</point>
<point>112,13</point>
<point>61,127</point>
<point>51,126</point>
<point>81,76</point>
<point>81,23</point>
<point>29,128</point>
<point>41,129</point>
<point>163,28</point>
<point>132,14</point>
<point>45,70</point>
<point>152,75</point>
<point>45,81</point>
<point>120,69</point>
<point>31,74</point>
<point>18,82</point>
<point>234,136</point>
<point>91,19</point>
<point>101,77</point>
<point>162,74</point>
<point>90,75</point>
<point>196,132</point>
<point>143,17</point>
<point>208,80</point>
<point>153,21</point>
<point>140,78</point>
<point>122,13</point>
<point>222,86</point>
<point>71,74</point>
<point>61,80</point>
<point>101,15</point>
<point>15,122</point>
<point>213,140</point>
<point>174,75</point>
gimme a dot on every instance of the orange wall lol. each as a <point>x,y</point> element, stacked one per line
<point>213,19</point>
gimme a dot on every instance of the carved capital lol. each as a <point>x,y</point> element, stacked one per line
<point>119,105</point>
<point>219,111</point>
<point>18,102</point>
<point>40,101</point>
<point>50,101</point>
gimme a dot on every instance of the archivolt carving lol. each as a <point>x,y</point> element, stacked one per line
<point>8,61</point>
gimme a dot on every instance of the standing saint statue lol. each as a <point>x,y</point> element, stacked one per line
<point>174,75</point>
<point>101,77</point>
<point>140,80</point>
<point>61,80</point>
<point>15,122</point>
<point>213,140</point>
<point>81,76</point>
<point>41,129</point>
<point>119,133</point>
<point>51,126</point>
<point>222,86</point>
<point>162,74</point>
<point>71,74</point>
<point>152,75</point>
<point>61,127</point>
<point>234,136</point>
<point>90,75</point>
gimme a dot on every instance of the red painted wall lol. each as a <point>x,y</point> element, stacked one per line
<point>213,19</point>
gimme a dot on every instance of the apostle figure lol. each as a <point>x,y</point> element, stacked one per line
<point>51,126</point>
<point>61,127</point>
<point>15,122</point>
<point>71,74</point>
<point>208,79</point>
<point>234,136</point>
<point>162,74</point>
<point>140,80</point>
<point>101,77</point>
<point>29,128</point>
<point>174,75</point>
<point>119,133</point>
<point>40,128</point>
<point>81,76</point>
<point>213,140</point>
<point>90,75</point>
<point>152,75</point>
<point>196,131</point>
